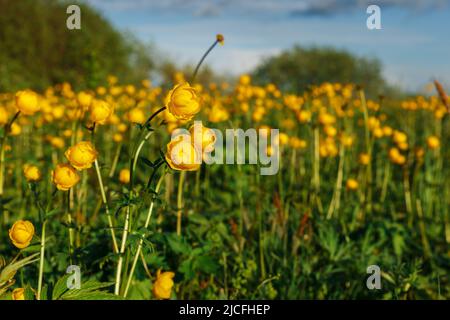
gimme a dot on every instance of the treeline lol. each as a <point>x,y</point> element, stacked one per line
<point>37,50</point>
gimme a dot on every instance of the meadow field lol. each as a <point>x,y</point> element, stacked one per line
<point>90,187</point>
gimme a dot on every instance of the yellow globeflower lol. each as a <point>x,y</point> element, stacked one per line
<point>84,99</point>
<point>18,294</point>
<point>82,155</point>
<point>101,111</point>
<point>31,173</point>
<point>117,137</point>
<point>182,101</point>
<point>304,116</point>
<point>352,184</point>
<point>136,115</point>
<point>400,137</point>
<point>16,129</point>
<point>182,155</point>
<point>124,176</point>
<point>57,142</point>
<point>65,177</point>
<point>206,140</point>
<point>162,287</point>
<point>284,138</point>
<point>364,159</point>
<point>433,142</point>
<point>330,131</point>
<point>297,143</point>
<point>21,233</point>
<point>3,116</point>
<point>27,102</point>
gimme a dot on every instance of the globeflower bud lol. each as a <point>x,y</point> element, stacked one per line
<point>82,155</point>
<point>21,233</point>
<point>65,177</point>
<point>124,176</point>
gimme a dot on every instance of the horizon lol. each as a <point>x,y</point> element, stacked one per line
<point>409,46</point>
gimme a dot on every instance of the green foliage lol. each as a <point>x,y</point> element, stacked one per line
<point>294,70</point>
<point>37,49</point>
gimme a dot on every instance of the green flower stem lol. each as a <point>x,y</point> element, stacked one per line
<point>141,241</point>
<point>180,201</point>
<point>105,204</point>
<point>42,259</point>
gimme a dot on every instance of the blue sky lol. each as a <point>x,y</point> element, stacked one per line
<point>413,44</point>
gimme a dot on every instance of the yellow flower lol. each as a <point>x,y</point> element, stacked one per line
<point>330,131</point>
<point>433,142</point>
<point>3,116</point>
<point>396,157</point>
<point>297,143</point>
<point>82,155</point>
<point>207,139</point>
<point>21,233</point>
<point>124,176</point>
<point>182,101</point>
<point>18,294</point>
<point>65,177</point>
<point>304,116</point>
<point>16,129</point>
<point>101,111</point>
<point>31,173</point>
<point>27,102</point>
<point>136,115</point>
<point>220,39</point>
<point>400,137</point>
<point>352,184</point>
<point>162,287</point>
<point>57,142</point>
<point>364,159</point>
<point>84,99</point>
<point>117,137</point>
<point>182,155</point>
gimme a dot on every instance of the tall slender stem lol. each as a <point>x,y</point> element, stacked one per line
<point>105,203</point>
<point>42,259</point>
<point>180,201</point>
<point>141,241</point>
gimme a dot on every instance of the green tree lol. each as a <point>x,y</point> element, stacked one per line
<point>37,49</point>
<point>297,68</point>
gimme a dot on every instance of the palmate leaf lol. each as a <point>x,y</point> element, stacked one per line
<point>90,290</point>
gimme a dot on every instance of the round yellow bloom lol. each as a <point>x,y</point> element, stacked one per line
<point>16,129</point>
<point>284,138</point>
<point>57,142</point>
<point>162,287</point>
<point>101,111</point>
<point>3,116</point>
<point>207,139</point>
<point>84,99</point>
<point>65,177</point>
<point>297,143</point>
<point>136,115</point>
<point>21,233</point>
<point>400,137</point>
<point>304,116</point>
<point>433,142</point>
<point>330,131</point>
<point>182,154</point>
<point>18,294</point>
<point>117,137</point>
<point>31,173</point>
<point>82,155</point>
<point>352,184</point>
<point>183,102</point>
<point>364,159</point>
<point>124,176</point>
<point>27,102</point>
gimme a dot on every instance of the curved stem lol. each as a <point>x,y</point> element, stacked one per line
<point>180,201</point>
<point>141,241</point>
<point>126,230</point>
<point>202,59</point>
<point>105,203</point>
<point>41,262</point>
